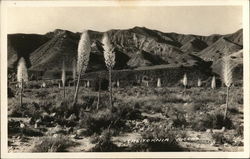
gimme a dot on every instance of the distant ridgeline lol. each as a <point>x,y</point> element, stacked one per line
<point>141,55</point>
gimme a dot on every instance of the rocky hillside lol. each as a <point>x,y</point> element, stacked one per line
<point>135,48</point>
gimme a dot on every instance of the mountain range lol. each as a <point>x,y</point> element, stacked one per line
<point>135,48</point>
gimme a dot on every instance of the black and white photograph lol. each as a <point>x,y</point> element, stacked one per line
<point>124,78</point>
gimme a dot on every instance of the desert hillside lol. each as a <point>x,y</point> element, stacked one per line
<point>135,48</point>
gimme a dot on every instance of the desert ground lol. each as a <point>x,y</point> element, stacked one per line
<point>142,119</point>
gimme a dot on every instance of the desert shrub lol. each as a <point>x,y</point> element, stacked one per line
<point>104,103</point>
<point>32,132</point>
<point>167,141</point>
<point>208,96</point>
<point>53,144</point>
<point>220,138</point>
<point>198,107</point>
<point>239,130</point>
<point>177,116</point>
<point>34,85</point>
<point>27,109</point>
<point>14,128</point>
<point>211,121</point>
<point>172,99</point>
<point>180,121</point>
<point>11,93</point>
<point>107,118</point>
<point>88,101</point>
<point>202,99</point>
<point>153,107</point>
<point>14,109</point>
<point>95,122</point>
<point>182,134</point>
<point>103,119</point>
<point>233,110</point>
<point>32,109</point>
<point>42,94</point>
<point>129,112</point>
<point>65,108</point>
<point>46,105</point>
<point>104,143</point>
<point>161,91</point>
<point>190,109</point>
<point>94,138</point>
<point>240,100</point>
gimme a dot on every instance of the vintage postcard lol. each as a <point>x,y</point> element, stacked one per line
<point>125,79</point>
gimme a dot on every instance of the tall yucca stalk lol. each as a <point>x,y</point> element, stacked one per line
<point>158,82</point>
<point>74,72</point>
<point>63,79</point>
<point>99,91</point>
<point>213,83</point>
<point>84,48</point>
<point>199,82</point>
<point>184,81</point>
<point>118,83</point>
<point>88,84</point>
<point>22,76</point>
<point>227,79</point>
<point>109,56</point>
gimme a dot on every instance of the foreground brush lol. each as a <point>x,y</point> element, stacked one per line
<point>22,76</point>
<point>109,56</point>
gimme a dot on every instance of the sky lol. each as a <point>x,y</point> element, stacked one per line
<point>200,20</point>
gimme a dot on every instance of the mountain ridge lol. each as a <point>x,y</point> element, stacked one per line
<point>46,52</point>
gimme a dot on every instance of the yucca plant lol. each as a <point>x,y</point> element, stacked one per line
<point>227,73</point>
<point>63,79</point>
<point>118,83</point>
<point>184,80</point>
<point>213,83</point>
<point>84,48</point>
<point>158,82</point>
<point>74,72</point>
<point>99,91</point>
<point>88,84</point>
<point>199,82</point>
<point>109,56</point>
<point>22,76</point>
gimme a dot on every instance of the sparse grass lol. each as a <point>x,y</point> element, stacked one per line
<point>96,122</point>
<point>104,143</point>
<point>107,118</point>
<point>53,144</point>
<point>211,121</point>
